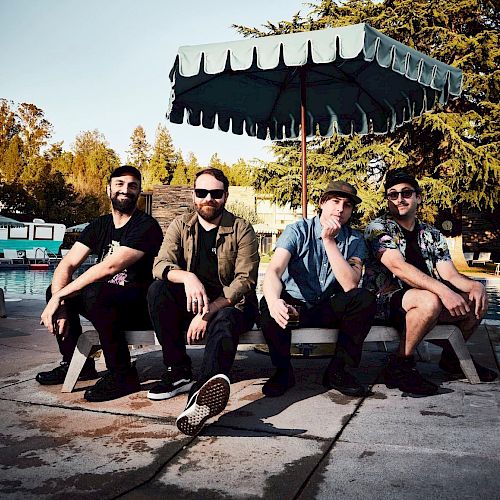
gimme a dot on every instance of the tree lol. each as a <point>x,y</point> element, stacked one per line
<point>140,150</point>
<point>163,161</point>
<point>35,130</point>
<point>12,161</point>
<point>185,173</point>
<point>9,125</point>
<point>92,165</point>
<point>244,211</point>
<point>453,150</point>
<point>16,199</point>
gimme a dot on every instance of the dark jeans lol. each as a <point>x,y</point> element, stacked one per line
<point>352,312</point>
<point>111,309</point>
<point>167,307</point>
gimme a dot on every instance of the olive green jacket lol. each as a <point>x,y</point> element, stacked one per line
<point>237,254</point>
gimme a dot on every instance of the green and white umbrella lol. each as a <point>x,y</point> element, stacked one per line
<point>349,80</point>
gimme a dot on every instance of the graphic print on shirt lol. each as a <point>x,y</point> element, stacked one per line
<point>121,277</point>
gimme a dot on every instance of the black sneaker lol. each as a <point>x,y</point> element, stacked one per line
<point>344,382</point>
<point>282,380</point>
<point>401,372</point>
<point>450,364</point>
<point>58,374</point>
<point>114,386</point>
<point>209,400</point>
<point>174,381</point>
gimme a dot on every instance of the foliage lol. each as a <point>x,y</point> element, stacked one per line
<point>140,150</point>
<point>163,161</point>
<point>242,210</point>
<point>452,150</point>
<point>184,173</point>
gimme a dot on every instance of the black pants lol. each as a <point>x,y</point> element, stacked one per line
<point>167,307</point>
<point>352,312</point>
<point>111,309</point>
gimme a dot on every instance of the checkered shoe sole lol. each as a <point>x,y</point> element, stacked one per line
<point>209,401</point>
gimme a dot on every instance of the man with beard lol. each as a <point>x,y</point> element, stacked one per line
<point>207,272</point>
<point>417,285</point>
<point>111,294</point>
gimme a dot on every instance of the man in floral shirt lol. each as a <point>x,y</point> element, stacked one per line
<point>417,285</point>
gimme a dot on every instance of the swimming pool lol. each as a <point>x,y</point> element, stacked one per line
<point>34,283</point>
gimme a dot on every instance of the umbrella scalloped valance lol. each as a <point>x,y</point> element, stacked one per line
<point>358,80</point>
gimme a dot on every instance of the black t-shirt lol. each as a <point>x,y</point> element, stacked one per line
<point>207,269</point>
<point>413,253</point>
<point>141,232</point>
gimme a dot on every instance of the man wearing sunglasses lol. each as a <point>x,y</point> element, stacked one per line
<point>206,274</point>
<point>417,285</point>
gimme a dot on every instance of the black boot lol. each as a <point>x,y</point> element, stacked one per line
<point>58,374</point>
<point>401,372</point>
<point>282,380</point>
<point>114,386</point>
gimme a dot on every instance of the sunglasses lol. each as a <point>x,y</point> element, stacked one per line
<point>215,194</point>
<point>405,193</point>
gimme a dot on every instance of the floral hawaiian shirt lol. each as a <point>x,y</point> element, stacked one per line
<point>384,233</point>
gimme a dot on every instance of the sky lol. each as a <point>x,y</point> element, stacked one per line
<point>104,64</point>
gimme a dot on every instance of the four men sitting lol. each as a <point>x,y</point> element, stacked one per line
<point>206,274</point>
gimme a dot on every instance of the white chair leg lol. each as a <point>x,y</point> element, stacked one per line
<point>86,342</point>
<point>458,345</point>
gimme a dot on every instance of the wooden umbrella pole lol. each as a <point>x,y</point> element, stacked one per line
<point>304,144</point>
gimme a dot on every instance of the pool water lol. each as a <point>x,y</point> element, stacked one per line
<point>34,283</point>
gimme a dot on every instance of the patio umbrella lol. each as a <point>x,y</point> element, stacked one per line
<point>349,80</point>
<point>8,222</point>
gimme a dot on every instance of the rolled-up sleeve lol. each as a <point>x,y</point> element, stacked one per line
<point>170,255</point>
<point>246,264</point>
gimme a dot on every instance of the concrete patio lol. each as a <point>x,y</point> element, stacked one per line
<point>310,443</point>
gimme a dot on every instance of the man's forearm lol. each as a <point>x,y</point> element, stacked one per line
<point>62,277</point>
<point>272,287</point>
<point>416,278</point>
<point>345,274</point>
<point>178,275</point>
<point>91,275</point>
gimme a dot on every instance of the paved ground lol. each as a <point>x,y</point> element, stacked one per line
<point>311,443</point>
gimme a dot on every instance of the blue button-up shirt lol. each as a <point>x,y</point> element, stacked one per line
<point>309,276</point>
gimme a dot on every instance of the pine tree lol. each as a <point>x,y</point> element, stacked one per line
<point>163,161</point>
<point>185,173</point>
<point>140,150</point>
<point>453,151</point>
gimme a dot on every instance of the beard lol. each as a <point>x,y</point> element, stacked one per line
<point>209,212</point>
<point>126,205</point>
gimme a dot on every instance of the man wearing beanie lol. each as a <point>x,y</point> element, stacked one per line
<point>417,285</point>
<point>111,294</point>
<point>317,267</point>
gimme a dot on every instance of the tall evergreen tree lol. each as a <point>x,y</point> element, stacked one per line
<point>452,150</point>
<point>163,161</point>
<point>35,130</point>
<point>140,150</point>
<point>185,173</point>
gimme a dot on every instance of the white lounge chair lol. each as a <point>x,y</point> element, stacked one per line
<point>484,258</point>
<point>13,255</point>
